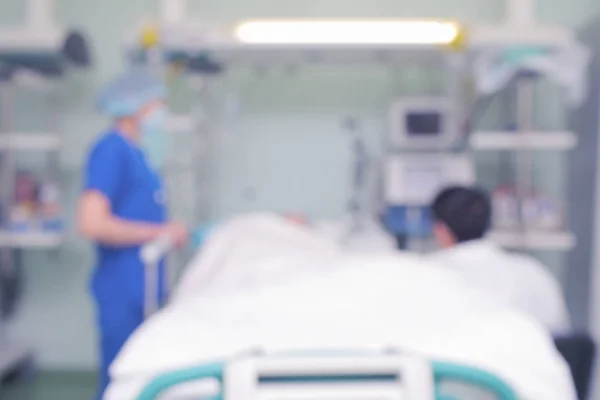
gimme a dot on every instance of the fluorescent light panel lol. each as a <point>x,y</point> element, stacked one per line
<point>347,32</point>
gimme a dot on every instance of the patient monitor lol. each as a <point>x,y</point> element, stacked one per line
<point>423,135</point>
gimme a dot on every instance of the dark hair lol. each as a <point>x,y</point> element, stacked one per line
<point>466,211</point>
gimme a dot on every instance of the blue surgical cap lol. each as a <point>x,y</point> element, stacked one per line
<point>129,93</point>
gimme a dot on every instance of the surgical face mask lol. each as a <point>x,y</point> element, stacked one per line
<point>155,141</point>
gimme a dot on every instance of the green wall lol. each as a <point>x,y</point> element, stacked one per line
<point>283,122</point>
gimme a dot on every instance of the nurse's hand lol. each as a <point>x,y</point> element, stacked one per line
<point>179,233</point>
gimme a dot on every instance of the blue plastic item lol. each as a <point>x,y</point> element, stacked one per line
<point>200,234</point>
<point>441,372</point>
<point>409,221</point>
<point>20,227</point>
<point>52,225</point>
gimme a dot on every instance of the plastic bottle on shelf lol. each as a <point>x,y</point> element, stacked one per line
<point>25,207</point>
<point>20,219</point>
<point>505,208</point>
<point>549,214</point>
<point>50,210</point>
<point>530,211</point>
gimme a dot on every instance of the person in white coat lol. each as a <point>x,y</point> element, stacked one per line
<point>462,218</point>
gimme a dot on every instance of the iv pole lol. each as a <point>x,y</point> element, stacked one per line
<point>357,207</point>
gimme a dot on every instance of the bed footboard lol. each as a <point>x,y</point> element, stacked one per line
<point>437,373</point>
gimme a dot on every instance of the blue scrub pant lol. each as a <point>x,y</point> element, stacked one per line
<point>116,321</point>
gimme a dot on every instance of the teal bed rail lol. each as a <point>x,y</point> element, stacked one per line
<point>164,382</point>
<point>442,372</point>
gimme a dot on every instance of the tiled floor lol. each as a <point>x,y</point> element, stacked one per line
<point>52,386</point>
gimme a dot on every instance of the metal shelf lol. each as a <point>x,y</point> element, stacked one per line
<point>534,140</point>
<point>31,240</point>
<point>189,38</point>
<point>27,141</point>
<point>535,240</point>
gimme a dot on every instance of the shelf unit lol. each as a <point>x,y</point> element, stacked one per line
<point>15,355</point>
<point>534,240</point>
<point>524,141</point>
<point>30,240</point>
<point>29,141</point>
<point>510,140</point>
<point>12,142</point>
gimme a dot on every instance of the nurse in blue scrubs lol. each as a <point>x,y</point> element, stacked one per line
<point>123,206</point>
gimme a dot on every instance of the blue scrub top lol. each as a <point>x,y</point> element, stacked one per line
<point>118,169</point>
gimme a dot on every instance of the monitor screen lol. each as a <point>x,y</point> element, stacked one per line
<point>424,123</point>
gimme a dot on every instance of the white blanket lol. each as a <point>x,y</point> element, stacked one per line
<point>254,251</point>
<point>332,302</point>
<point>370,238</point>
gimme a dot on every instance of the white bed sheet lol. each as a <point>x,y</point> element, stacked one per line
<point>332,302</point>
<point>371,238</point>
<point>253,251</point>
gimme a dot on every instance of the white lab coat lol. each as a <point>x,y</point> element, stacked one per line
<point>516,280</point>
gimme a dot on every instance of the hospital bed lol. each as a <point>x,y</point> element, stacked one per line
<point>279,374</point>
<point>351,375</point>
